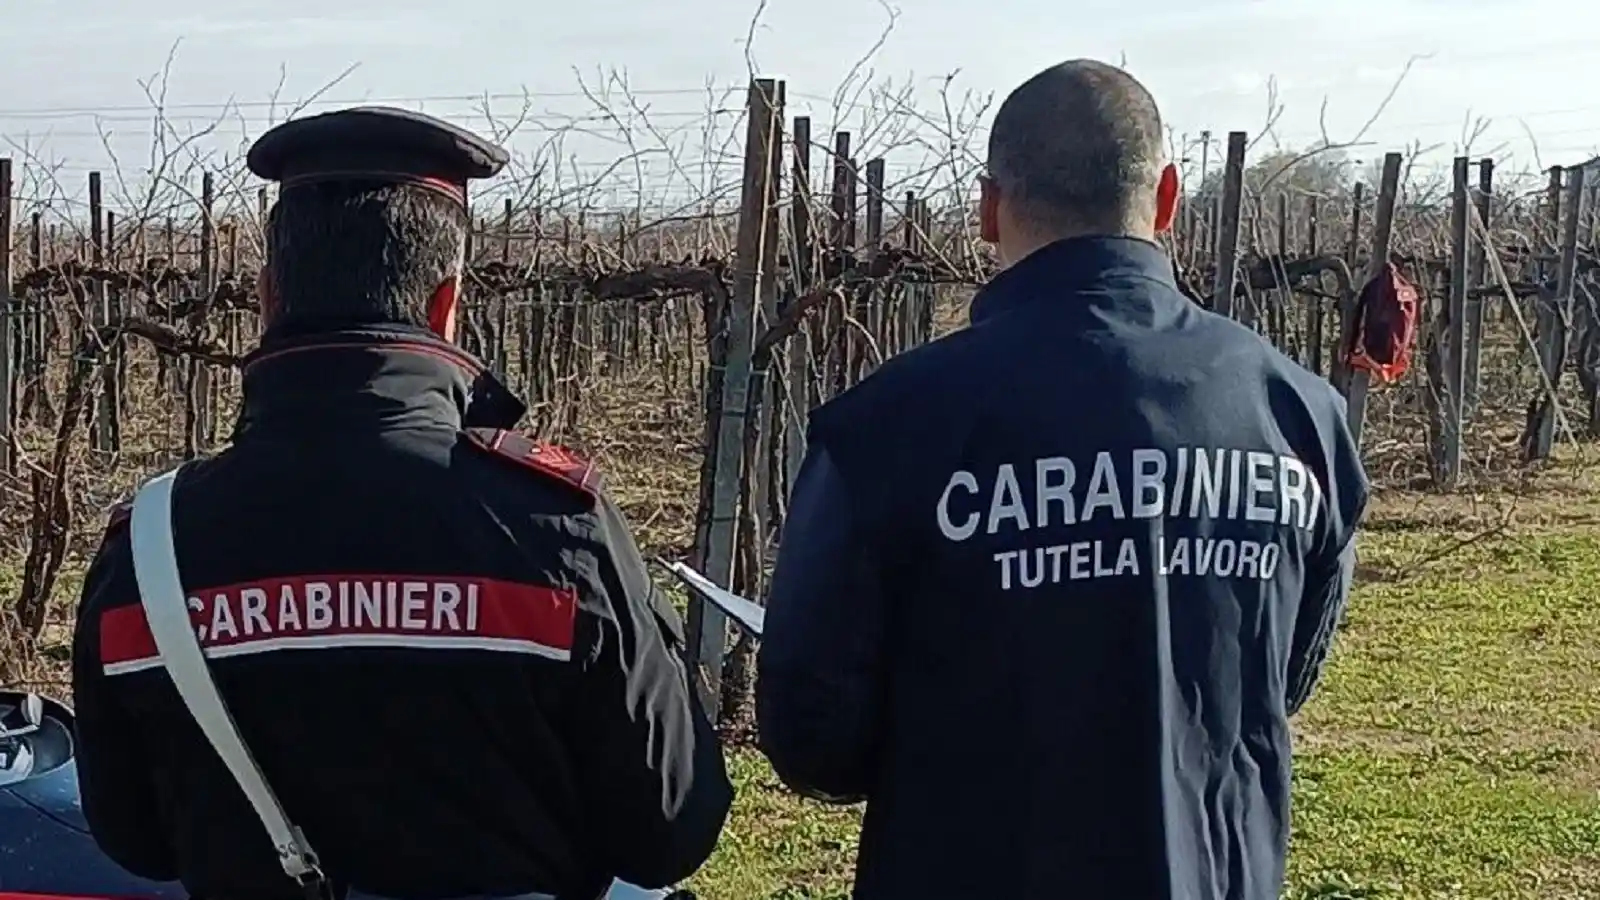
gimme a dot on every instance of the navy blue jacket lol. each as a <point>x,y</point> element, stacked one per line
<point>1051,588</point>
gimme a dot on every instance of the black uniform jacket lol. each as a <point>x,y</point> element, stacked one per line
<point>1051,587</point>
<point>440,643</point>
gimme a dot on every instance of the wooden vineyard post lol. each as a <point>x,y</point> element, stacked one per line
<point>911,228</point>
<point>853,344</point>
<point>1338,369</point>
<point>707,625</point>
<point>206,328</point>
<point>1480,247</point>
<point>502,315</point>
<point>1280,299</point>
<point>1448,463</point>
<point>117,350</point>
<point>797,349</point>
<point>33,361</point>
<point>105,409</point>
<point>8,365</point>
<point>928,295</point>
<point>1228,226</point>
<point>1205,244</point>
<point>198,409</point>
<point>1314,305</point>
<point>1552,235</point>
<point>1357,381</point>
<point>877,302</point>
<point>1555,313</point>
<point>841,240</point>
<point>762,444</point>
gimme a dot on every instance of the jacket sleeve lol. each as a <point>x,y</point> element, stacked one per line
<point>119,799</point>
<point>649,763</point>
<point>1327,593</point>
<point>820,670</point>
<point>1330,574</point>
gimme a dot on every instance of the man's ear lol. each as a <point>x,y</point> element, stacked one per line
<point>266,296</point>
<point>988,210</point>
<point>442,308</point>
<point>1167,190</point>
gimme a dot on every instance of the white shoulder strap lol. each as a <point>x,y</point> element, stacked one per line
<point>155,565</point>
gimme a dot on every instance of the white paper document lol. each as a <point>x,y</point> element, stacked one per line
<point>748,615</point>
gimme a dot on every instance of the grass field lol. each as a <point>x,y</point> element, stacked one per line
<point>1452,751</point>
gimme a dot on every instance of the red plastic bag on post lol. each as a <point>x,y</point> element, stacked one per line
<point>1386,326</point>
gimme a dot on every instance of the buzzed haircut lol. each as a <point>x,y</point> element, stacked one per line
<point>348,253</point>
<point>1078,145</point>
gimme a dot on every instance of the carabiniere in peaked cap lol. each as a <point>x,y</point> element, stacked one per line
<point>375,143</point>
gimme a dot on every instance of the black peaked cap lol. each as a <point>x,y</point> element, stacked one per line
<point>375,143</point>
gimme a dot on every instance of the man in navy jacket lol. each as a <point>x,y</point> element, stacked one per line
<point>1052,586</point>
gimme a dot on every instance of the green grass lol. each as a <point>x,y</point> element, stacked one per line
<point>1452,750</point>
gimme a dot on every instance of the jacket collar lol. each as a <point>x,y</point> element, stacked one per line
<point>1087,265</point>
<point>369,378</point>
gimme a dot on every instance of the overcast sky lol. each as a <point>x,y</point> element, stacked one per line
<point>72,68</point>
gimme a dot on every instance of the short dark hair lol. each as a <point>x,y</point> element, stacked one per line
<point>346,253</point>
<point>1078,145</point>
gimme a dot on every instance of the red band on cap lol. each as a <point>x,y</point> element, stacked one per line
<point>454,190</point>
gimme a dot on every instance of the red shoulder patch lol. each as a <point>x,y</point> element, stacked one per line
<point>550,459</point>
